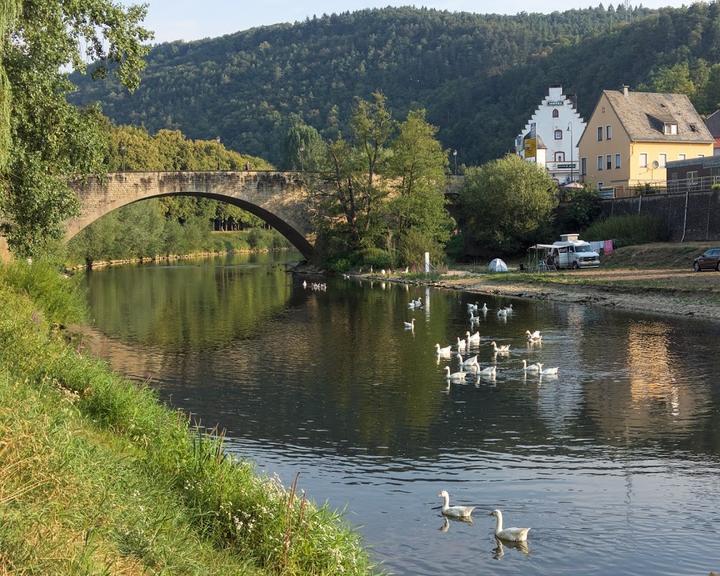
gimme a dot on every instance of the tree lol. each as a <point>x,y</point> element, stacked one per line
<point>416,214</point>
<point>304,147</point>
<point>504,202</point>
<point>672,80</point>
<point>52,140</point>
<point>353,170</point>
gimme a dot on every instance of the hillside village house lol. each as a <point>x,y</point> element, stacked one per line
<point>551,136</point>
<point>632,135</point>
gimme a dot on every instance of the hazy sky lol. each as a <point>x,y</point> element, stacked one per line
<point>193,19</point>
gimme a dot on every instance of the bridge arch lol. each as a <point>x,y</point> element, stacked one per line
<point>278,198</point>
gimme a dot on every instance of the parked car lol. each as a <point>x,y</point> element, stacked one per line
<point>708,260</point>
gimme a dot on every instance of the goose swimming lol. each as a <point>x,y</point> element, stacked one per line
<point>454,511</point>
<point>509,534</point>
<point>533,335</point>
<point>410,325</point>
<point>455,376</point>
<point>472,338</point>
<point>446,351</point>
<point>504,349</point>
<point>531,367</point>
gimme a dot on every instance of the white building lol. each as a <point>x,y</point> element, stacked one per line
<point>558,126</point>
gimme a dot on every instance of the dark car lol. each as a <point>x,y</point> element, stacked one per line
<point>708,260</point>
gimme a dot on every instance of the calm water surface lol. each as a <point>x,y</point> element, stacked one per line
<point>615,464</point>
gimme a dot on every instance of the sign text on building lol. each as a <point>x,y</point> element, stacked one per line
<point>555,103</point>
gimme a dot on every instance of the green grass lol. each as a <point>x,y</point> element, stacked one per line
<point>628,230</point>
<point>98,477</point>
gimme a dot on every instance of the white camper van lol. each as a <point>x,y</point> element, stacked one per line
<point>569,252</point>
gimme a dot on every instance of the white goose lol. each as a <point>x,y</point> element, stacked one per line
<point>410,325</point>
<point>531,367</point>
<point>446,351</point>
<point>489,372</point>
<point>509,534</point>
<point>473,338</point>
<point>461,346</point>
<point>484,307</point>
<point>533,335</point>
<point>455,376</point>
<point>469,362</point>
<point>454,511</point>
<point>504,349</point>
<point>548,371</point>
<point>502,313</point>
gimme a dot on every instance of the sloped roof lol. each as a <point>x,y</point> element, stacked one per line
<point>643,115</point>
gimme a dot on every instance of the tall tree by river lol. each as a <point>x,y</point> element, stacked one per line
<point>386,203</point>
<point>50,139</point>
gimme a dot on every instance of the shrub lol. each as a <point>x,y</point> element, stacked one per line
<point>629,230</point>
<point>339,265</point>
<point>376,257</point>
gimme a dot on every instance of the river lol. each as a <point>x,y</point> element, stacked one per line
<point>615,463</point>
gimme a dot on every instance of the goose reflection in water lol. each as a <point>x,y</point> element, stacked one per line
<point>499,550</point>
<point>446,522</point>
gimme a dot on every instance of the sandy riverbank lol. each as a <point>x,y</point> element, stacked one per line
<point>661,291</point>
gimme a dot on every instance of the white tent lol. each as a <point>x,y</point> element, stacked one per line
<point>497,265</point>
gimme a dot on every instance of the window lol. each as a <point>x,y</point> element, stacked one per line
<point>599,133</point>
<point>681,156</point>
<point>558,134</point>
<point>556,113</point>
<point>662,160</point>
<point>608,132</point>
<point>608,161</point>
<point>670,129</point>
<point>617,161</point>
<point>692,176</point>
<point>583,166</point>
<point>599,162</point>
<point>559,156</point>
<point>643,160</point>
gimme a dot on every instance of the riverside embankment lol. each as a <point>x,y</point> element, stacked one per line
<point>654,278</point>
<point>97,476</point>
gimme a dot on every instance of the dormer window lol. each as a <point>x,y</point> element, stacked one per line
<point>670,129</point>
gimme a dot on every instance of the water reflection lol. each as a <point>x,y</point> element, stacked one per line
<point>328,383</point>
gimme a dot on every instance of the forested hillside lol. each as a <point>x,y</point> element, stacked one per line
<point>478,76</point>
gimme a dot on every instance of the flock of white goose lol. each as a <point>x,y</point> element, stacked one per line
<point>469,369</point>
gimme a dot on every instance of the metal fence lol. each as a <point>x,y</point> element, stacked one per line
<point>679,186</point>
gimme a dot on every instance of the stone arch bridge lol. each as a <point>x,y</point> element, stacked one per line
<point>278,198</point>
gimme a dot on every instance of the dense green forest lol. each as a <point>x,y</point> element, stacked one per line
<point>478,76</point>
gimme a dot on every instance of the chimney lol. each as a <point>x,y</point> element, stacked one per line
<point>626,90</point>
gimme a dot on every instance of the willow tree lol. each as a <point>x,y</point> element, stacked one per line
<point>50,140</point>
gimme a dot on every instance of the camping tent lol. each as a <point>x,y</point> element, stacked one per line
<point>497,265</point>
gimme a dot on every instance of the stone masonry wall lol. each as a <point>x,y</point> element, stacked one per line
<point>703,213</point>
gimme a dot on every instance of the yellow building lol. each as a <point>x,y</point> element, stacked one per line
<point>632,135</point>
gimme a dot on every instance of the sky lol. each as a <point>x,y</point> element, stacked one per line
<point>191,20</point>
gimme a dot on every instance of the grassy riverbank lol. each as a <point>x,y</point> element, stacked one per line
<point>97,477</point>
